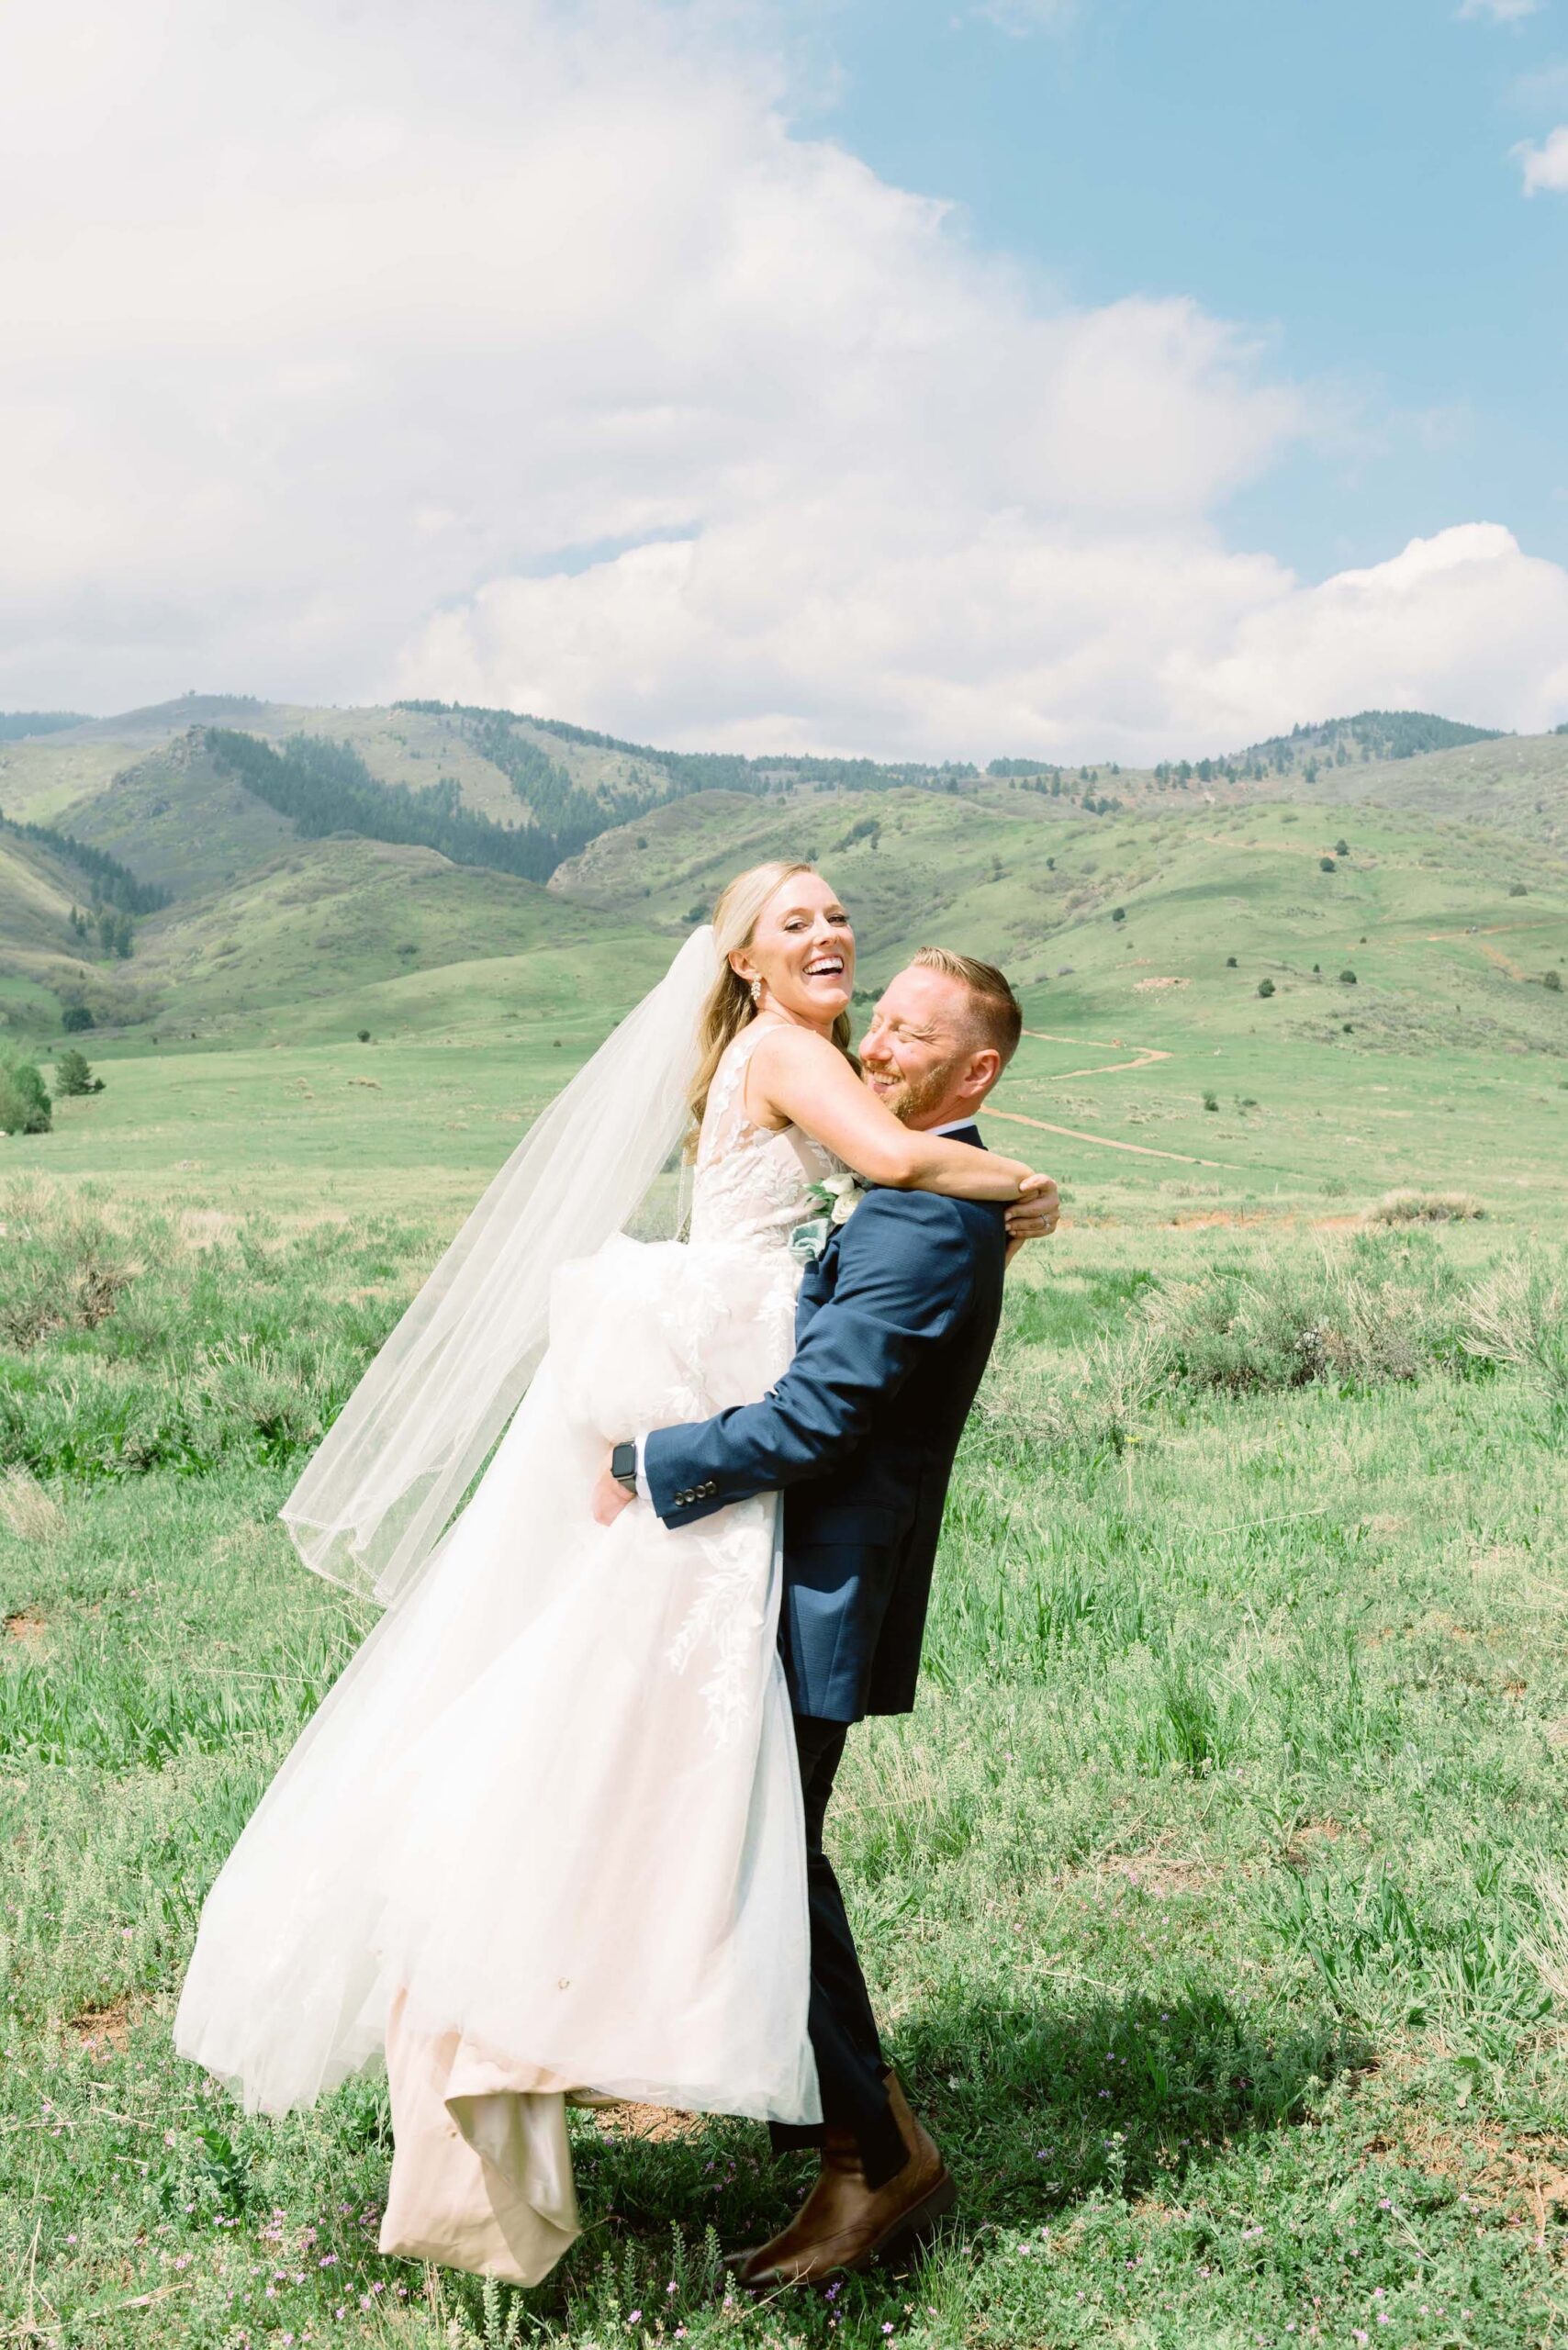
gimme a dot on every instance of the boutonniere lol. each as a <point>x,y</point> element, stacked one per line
<point>836,1197</point>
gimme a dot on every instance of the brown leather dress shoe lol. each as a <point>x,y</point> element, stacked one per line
<point>846,2223</point>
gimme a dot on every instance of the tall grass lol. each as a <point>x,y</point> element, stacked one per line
<point>131,1341</point>
<point>1211,1897</point>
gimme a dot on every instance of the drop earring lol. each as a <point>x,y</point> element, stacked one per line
<point>756,995</point>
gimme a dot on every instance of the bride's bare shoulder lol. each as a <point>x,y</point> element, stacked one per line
<point>780,1039</point>
<point>790,1068</point>
<point>785,1053</point>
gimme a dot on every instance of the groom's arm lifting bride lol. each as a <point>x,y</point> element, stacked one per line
<point>895,1324</point>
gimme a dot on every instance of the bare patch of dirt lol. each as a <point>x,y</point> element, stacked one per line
<point>1208,1217</point>
<point>657,2124</point>
<point>1147,987</point>
<point>1526,2174</point>
<point>30,1628</point>
<point>1160,1873</point>
<point>1312,1833</point>
<point>103,2027</point>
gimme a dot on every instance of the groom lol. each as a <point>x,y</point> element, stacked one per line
<point>895,1323</point>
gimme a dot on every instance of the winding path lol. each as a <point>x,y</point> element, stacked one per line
<point>1147,1055</point>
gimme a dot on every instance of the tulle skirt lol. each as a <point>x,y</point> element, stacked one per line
<point>549,1817</point>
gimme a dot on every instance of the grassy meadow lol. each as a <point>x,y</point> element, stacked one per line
<point>1212,1896</point>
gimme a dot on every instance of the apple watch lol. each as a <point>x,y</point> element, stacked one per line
<point>623,1466</point>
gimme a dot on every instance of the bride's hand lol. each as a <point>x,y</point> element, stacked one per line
<point>1037,1212</point>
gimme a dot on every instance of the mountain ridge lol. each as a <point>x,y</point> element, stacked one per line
<point>261,822</point>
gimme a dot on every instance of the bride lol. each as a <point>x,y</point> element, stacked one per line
<point>542,1841</point>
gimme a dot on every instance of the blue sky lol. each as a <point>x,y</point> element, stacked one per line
<point>1336,175</point>
<point>944,378</point>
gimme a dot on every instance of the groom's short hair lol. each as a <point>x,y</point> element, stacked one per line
<point>996,1017</point>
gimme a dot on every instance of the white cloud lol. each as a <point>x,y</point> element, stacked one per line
<point>1501,12</point>
<point>521,353</point>
<point>1546,167</point>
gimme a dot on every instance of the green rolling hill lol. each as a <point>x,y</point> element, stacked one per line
<point>331,870</point>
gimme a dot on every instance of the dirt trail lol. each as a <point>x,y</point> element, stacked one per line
<point>1107,1142</point>
<point>1476,934</point>
<point>1146,1056</point>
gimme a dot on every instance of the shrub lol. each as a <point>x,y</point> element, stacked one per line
<point>25,1106</point>
<point>1425,1207</point>
<point>1348,979</point>
<point>75,1018</point>
<point>1341,848</point>
<point>1384,1308</point>
<point>63,1268</point>
<point>364,1035</point>
<point>1553,980</point>
<point>1230,962</point>
<point>73,1075</point>
<point>1519,1316</point>
<point>1265,987</point>
<point>1118,913</point>
<point>1326,865</point>
<point>1211,1101</point>
<point>1517,889</point>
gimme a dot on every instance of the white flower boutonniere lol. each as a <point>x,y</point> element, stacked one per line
<point>839,1195</point>
<point>836,1197</point>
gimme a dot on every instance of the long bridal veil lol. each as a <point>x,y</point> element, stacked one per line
<point>371,1505</point>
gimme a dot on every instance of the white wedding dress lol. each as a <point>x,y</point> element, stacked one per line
<point>543,1837</point>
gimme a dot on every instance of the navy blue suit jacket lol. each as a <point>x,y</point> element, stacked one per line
<point>894,1325</point>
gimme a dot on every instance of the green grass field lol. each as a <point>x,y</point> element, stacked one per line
<point>1214,1895</point>
<point>1208,1896</point>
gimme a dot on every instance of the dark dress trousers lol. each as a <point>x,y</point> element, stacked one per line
<point>895,1323</point>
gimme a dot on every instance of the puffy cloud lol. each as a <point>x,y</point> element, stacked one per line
<point>523,353</point>
<point>815,630</point>
<point>1546,167</point>
<point>1464,621</point>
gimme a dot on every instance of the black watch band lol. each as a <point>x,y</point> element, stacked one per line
<point>623,1466</point>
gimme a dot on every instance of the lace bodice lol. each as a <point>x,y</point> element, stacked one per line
<point>751,1184</point>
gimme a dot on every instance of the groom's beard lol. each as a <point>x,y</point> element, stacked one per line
<point>912,1098</point>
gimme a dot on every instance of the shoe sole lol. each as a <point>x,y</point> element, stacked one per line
<point>908,2237</point>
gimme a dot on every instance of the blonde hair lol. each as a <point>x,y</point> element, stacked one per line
<point>995,1015</point>
<point>728,1008</point>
